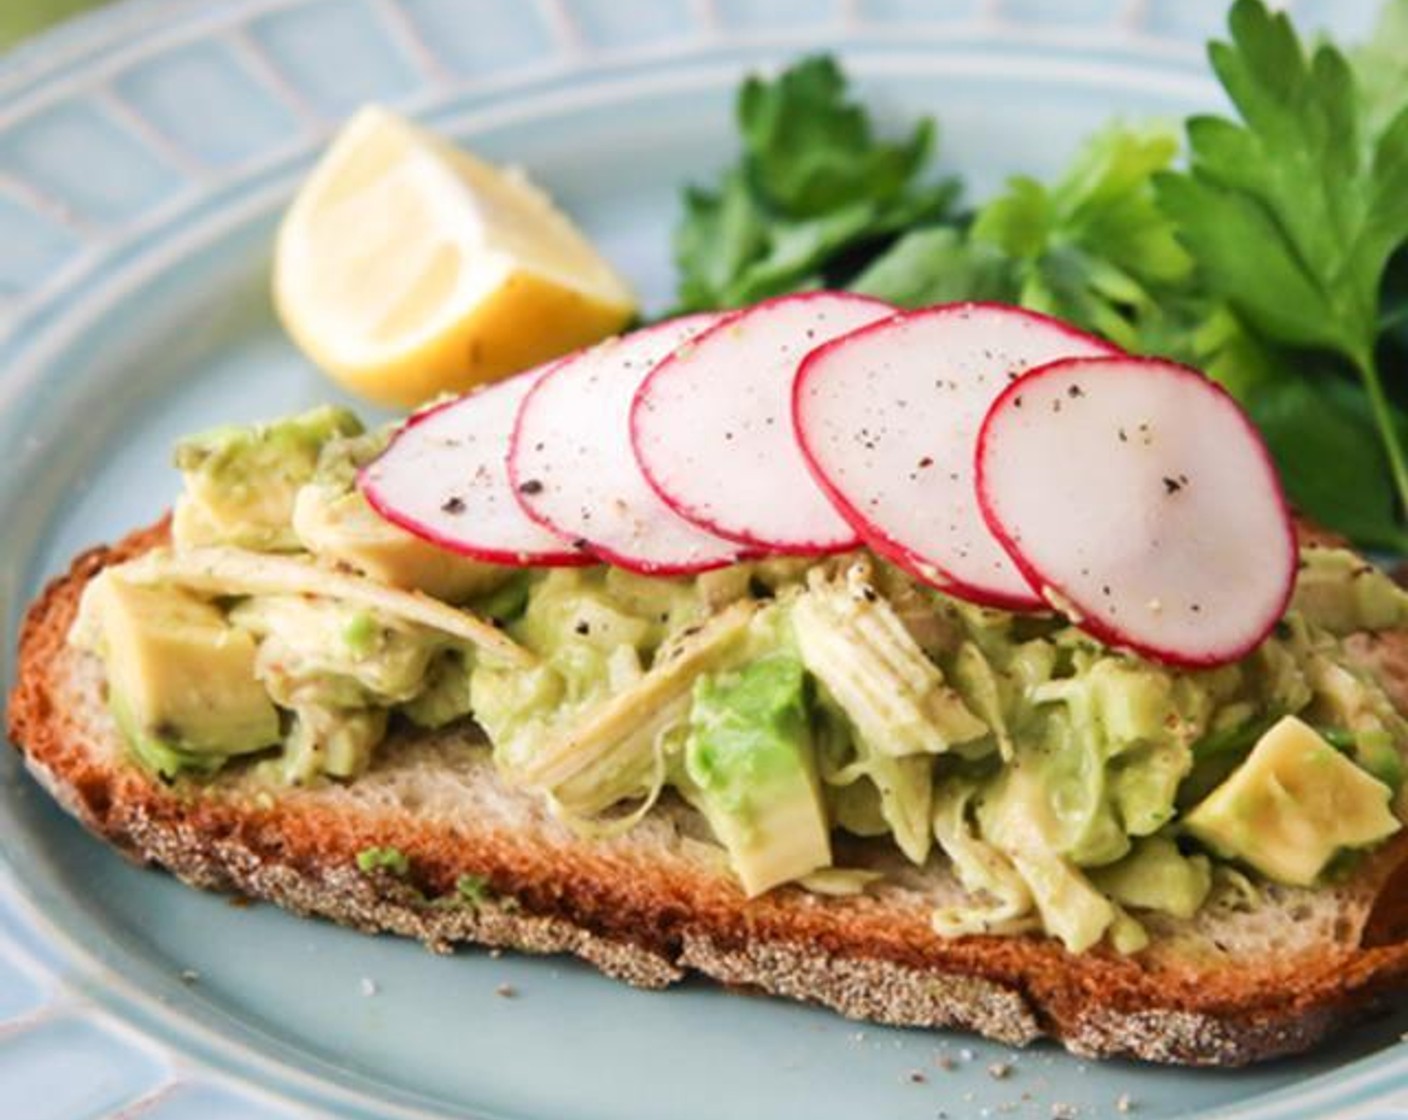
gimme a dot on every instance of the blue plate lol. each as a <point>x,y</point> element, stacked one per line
<point>145,154</point>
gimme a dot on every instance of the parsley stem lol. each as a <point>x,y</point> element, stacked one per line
<point>1383,417</point>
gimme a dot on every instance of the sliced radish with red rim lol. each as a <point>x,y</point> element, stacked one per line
<point>444,477</point>
<point>888,417</point>
<point>573,470</point>
<point>1141,500</point>
<point>712,431</point>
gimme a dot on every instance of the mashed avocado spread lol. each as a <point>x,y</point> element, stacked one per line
<point>794,703</point>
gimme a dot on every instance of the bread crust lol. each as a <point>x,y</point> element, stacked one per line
<point>651,912</point>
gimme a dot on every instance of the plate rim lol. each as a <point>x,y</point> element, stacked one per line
<point>51,57</point>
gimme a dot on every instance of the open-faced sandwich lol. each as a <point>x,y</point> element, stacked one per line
<point>947,667</point>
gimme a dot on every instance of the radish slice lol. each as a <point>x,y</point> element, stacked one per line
<point>888,419</point>
<point>712,432</point>
<point>573,470</point>
<point>1138,496</point>
<point>444,477</point>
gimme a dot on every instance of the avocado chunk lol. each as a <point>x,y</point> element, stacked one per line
<point>341,526</point>
<point>749,762</point>
<point>178,674</point>
<point>156,754</point>
<point>241,480</point>
<point>1117,750</point>
<point>1292,806</point>
<point>1157,876</point>
<point>1343,593</point>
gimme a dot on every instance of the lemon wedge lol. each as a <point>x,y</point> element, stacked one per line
<point>406,267</point>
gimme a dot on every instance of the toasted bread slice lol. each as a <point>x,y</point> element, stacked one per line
<point>1239,983</point>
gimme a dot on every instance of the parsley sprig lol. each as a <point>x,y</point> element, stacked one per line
<point>815,194</point>
<point>1293,212</point>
